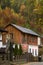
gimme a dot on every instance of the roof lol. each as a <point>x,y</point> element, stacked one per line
<point>2,30</point>
<point>25,30</point>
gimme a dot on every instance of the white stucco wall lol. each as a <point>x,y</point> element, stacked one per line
<point>0,44</point>
<point>34,50</point>
<point>0,36</point>
<point>39,41</point>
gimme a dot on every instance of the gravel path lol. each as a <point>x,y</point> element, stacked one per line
<point>4,63</point>
<point>34,63</point>
<point>9,63</point>
<point>29,63</point>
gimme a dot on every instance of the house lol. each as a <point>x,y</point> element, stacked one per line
<point>28,39</point>
<point>1,37</point>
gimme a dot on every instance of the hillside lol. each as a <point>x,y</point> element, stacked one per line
<point>27,13</point>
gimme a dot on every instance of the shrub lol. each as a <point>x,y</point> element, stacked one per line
<point>20,50</point>
<point>16,50</point>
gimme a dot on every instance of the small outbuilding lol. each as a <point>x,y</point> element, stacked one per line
<point>2,31</point>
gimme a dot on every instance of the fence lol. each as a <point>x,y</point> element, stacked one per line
<point>25,57</point>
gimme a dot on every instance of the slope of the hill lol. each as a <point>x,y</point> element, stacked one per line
<point>27,13</point>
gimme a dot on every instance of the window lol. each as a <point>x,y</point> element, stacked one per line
<point>28,39</point>
<point>0,37</point>
<point>7,36</point>
<point>23,39</point>
<point>0,40</point>
<point>36,52</point>
<point>11,34</point>
<point>32,51</point>
<point>32,38</point>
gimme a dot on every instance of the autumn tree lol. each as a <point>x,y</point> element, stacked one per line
<point>28,13</point>
<point>5,3</point>
<point>8,15</point>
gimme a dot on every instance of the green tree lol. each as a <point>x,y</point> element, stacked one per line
<point>20,50</point>
<point>5,3</point>
<point>16,50</point>
<point>11,51</point>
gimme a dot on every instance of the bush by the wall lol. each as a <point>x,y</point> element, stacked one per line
<point>20,50</point>
<point>17,51</point>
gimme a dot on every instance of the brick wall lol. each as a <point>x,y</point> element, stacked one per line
<point>32,40</point>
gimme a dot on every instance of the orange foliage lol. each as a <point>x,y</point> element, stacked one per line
<point>8,15</point>
<point>22,7</point>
